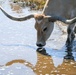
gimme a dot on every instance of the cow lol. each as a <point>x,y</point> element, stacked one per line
<point>54,10</point>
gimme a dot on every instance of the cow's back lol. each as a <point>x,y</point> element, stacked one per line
<point>64,8</point>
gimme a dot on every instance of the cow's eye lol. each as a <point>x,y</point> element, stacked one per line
<point>49,20</point>
<point>45,29</point>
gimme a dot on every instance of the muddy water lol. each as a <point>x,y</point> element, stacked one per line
<point>20,56</point>
<point>25,60</point>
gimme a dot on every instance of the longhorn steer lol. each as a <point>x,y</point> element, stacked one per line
<point>54,10</point>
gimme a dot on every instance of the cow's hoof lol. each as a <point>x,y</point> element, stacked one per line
<point>69,57</point>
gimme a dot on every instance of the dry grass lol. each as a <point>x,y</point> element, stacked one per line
<point>35,4</point>
<point>16,7</point>
<point>39,3</point>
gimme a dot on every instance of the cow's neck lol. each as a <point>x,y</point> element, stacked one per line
<point>64,8</point>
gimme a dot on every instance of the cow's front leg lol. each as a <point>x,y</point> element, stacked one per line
<point>70,35</point>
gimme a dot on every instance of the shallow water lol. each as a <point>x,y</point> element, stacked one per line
<point>20,56</point>
<point>26,60</point>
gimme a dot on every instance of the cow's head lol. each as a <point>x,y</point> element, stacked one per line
<point>44,28</point>
<point>44,25</point>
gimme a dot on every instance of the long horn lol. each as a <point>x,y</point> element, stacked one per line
<point>67,21</point>
<point>17,19</point>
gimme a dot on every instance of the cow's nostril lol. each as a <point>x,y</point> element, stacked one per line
<point>39,45</point>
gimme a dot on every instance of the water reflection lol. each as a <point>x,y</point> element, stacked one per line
<point>20,61</point>
<point>69,54</point>
<point>42,51</point>
<point>68,66</point>
<point>45,64</point>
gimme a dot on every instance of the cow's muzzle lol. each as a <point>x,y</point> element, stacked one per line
<point>40,44</point>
